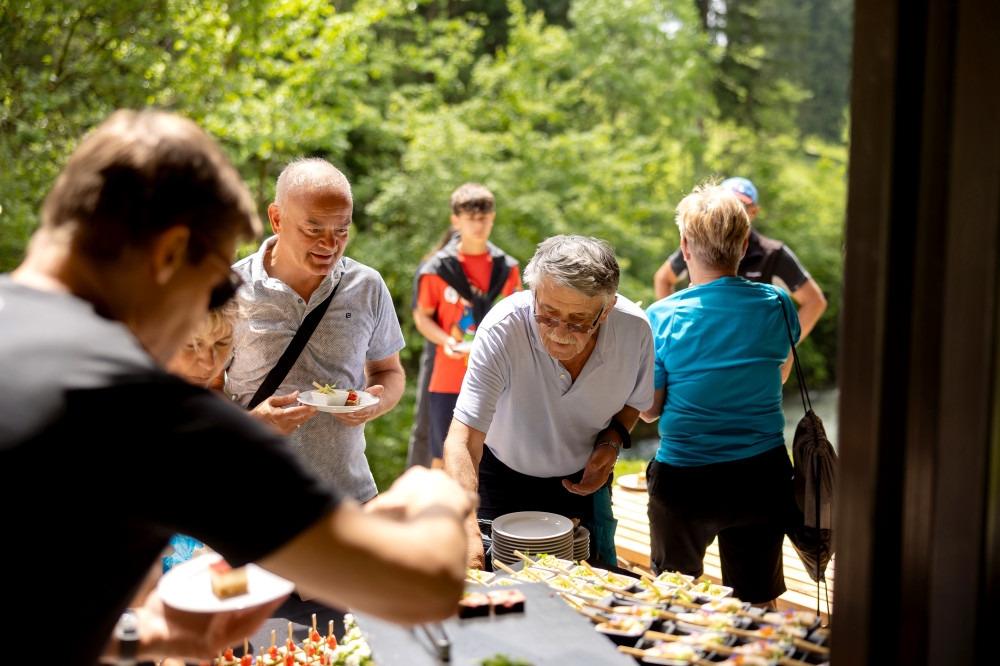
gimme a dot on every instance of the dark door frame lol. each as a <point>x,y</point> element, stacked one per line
<point>918,514</point>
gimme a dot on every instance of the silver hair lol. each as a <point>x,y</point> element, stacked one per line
<point>583,264</point>
<point>310,174</point>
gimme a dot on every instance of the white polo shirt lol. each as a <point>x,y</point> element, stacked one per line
<point>536,419</point>
<point>359,325</point>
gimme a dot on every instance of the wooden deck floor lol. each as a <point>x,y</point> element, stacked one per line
<point>632,543</point>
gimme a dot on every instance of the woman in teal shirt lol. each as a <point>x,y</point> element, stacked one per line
<point>722,349</point>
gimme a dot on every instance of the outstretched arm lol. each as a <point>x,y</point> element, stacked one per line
<point>812,304</point>
<point>463,449</point>
<point>664,280</point>
<point>400,557</point>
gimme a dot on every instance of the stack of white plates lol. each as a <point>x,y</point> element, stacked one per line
<point>532,533</point>
<point>581,543</point>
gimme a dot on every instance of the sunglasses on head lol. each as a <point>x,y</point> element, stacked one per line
<point>224,292</point>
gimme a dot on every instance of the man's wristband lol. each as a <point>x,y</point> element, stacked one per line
<point>622,432</point>
<point>607,442</point>
<point>127,633</point>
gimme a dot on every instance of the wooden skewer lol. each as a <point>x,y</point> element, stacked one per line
<point>527,560</point>
<point>610,609</point>
<point>314,621</point>
<point>318,385</point>
<point>272,638</point>
<point>636,652</point>
<point>246,645</point>
<point>573,601</point>
<point>643,574</point>
<point>796,641</point>
<point>498,563</point>
<point>530,574</point>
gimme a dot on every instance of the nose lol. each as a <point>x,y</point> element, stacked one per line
<point>329,239</point>
<point>206,356</point>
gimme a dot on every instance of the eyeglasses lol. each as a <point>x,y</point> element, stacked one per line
<point>552,322</point>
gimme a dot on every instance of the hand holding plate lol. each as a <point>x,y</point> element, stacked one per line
<point>275,411</point>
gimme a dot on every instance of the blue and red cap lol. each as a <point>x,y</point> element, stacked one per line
<point>743,188</point>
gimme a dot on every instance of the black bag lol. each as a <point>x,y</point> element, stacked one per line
<point>815,464</point>
<point>814,461</point>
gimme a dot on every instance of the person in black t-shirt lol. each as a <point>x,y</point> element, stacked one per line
<point>766,260</point>
<point>135,245</point>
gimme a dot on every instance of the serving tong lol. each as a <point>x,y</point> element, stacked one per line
<point>439,639</point>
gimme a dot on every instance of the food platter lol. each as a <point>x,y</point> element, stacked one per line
<point>188,587</point>
<point>632,482</point>
<point>320,401</point>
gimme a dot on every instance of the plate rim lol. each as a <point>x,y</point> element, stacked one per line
<point>630,482</point>
<point>197,566</point>
<point>530,514</point>
<point>339,409</point>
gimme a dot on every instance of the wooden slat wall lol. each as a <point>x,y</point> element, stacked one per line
<point>632,543</point>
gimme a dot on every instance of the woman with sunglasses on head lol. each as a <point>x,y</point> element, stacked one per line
<point>557,377</point>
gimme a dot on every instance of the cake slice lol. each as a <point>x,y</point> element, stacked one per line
<point>506,601</point>
<point>473,604</point>
<point>226,581</point>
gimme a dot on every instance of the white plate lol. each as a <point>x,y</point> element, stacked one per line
<point>188,587</point>
<point>532,525</point>
<point>536,546</point>
<point>319,402</point>
<point>631,482</point>
<point>463,346</point>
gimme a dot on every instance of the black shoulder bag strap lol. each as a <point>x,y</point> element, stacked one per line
<point>292,351</point>
<point>807,407</point>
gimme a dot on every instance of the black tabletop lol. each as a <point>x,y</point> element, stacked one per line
<point>547,632</point>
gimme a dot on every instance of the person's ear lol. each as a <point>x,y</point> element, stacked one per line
<point>169,252</point>
<point>274,217</point>
<point>607,310</point>
<point>752,212</point>
<point>746,244</point>
<point>454,222</point>
<point>684,249</point>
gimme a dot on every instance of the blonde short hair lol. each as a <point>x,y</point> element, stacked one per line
<point>223,318</point>
<point>715,224</point>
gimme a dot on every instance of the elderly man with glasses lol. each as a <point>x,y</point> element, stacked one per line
<point>557,377</point>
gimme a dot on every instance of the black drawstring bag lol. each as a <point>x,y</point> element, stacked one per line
<point>814,462</point>
<point>815,465</point>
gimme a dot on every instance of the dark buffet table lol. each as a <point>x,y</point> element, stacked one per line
<point>547,632</point>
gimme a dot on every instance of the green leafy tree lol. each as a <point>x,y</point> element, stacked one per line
<point>590,116</point>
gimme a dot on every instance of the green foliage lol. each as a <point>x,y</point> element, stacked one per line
<point>590,116</point>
